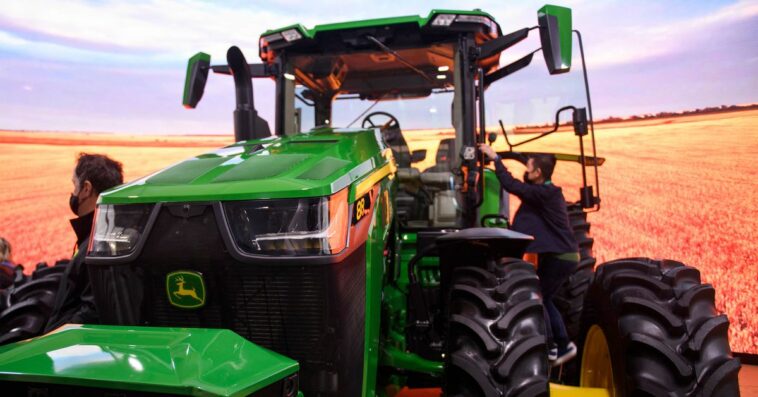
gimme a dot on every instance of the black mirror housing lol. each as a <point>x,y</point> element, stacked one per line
<point>194,83</point>
<point>555,36</point>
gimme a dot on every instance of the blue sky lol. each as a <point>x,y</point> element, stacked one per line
<point>118,66</point>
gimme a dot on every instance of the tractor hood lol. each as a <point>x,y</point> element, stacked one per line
<point>185,361</point>
<point>318,163</point>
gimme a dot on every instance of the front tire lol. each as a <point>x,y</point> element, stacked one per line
<point>496,334</point>
<point>661,331</point>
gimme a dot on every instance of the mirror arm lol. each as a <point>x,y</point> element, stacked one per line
<point>509,69</point>
<point>592,123</point>
<point>501,43</point>
<point>546,133</point>
<point>257,70</point>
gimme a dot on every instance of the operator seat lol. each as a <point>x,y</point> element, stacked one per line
<point>394,138</point>
<point>445,156</point>
<point>444,211</point>
<point>410,198</point>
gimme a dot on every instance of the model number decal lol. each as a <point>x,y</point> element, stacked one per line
<point>361,208</point>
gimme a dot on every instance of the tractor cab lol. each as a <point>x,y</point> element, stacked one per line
<point>418,79</point>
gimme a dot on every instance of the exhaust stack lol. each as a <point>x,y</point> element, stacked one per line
<point>247,123</point>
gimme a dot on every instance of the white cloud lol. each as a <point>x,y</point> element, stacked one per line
<point>172,28</point>
<point>615,41</point>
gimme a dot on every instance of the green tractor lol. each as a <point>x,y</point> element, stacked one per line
<point>311,260</point>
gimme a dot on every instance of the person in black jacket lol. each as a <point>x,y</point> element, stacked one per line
<point>543,215</point>
<point>73,303</point>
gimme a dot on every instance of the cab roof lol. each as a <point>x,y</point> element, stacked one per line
<point>378,58</point>
<point>382,22</point>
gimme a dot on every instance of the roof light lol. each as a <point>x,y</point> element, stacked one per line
<point>478,19</point>
<point>272,37</point>
<point>443,68</point>
<point>441,77</point>
<point>291,35</point>
<point>443,20</point>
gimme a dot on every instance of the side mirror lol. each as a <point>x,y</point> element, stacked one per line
<point>418,155</point>
<point>555,36</point>
<point>194,83</point>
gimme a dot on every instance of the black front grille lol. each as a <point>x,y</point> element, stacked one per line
<point>313,313</point>
<point>284,309</point>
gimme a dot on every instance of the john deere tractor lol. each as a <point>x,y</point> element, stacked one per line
<point>307,259</point>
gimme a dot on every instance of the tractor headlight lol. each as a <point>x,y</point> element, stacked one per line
<point>294,227</point>
<point>118,228</point>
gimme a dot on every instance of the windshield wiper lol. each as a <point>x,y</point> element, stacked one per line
<point>402,60</point>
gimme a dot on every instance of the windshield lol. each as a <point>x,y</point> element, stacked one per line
<point>424,122</point>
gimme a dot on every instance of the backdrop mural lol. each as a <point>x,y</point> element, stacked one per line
<point>106,77</point>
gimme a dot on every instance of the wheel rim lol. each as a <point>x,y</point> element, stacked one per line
<point>597,369</point>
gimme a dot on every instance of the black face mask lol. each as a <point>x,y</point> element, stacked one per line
<point>73,203</point>
<point>526,178</point>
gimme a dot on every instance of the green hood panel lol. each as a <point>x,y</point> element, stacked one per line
<point>190,361</point>
<point>318,163</point>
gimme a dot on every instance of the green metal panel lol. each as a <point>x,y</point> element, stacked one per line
<point>491,201</point>
<point>261,167</point>
<point>186,171</point>
<point>394,346</point>
<point>563,16</point>
<point>190,361</point>
<point>379,232</point>
<point>324,168</point>
<point>295,166</point>
<point>378,22</point>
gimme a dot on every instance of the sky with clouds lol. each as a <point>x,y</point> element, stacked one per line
<point>118,66</point>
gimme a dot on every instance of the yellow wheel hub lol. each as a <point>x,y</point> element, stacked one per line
<point>597,369</point>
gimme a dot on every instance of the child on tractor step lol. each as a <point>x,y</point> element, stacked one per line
<point>543,214</point>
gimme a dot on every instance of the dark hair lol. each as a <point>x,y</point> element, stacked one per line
<point>546,164</point>
<point>100,170</point>
<point>5,250</point>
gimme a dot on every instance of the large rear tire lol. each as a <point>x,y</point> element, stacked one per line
<point>496,335</point>
<point>658,327</point>
<point>28,305</point>
<point>570,297</point>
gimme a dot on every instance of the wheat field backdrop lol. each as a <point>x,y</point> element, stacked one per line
<point>684,188</point>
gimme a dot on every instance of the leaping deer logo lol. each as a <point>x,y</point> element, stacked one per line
<point>185,291</point>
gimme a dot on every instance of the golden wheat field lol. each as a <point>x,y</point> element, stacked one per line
<point>683,188</point>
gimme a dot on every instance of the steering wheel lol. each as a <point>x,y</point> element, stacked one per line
<point>372,121</point>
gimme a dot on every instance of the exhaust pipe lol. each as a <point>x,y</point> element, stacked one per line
<point>247,123</point>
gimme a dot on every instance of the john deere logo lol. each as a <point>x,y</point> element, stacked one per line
<point>185,289</point>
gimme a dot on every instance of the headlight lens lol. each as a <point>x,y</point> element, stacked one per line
<point>118,228</point>
<point>294,227</point>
